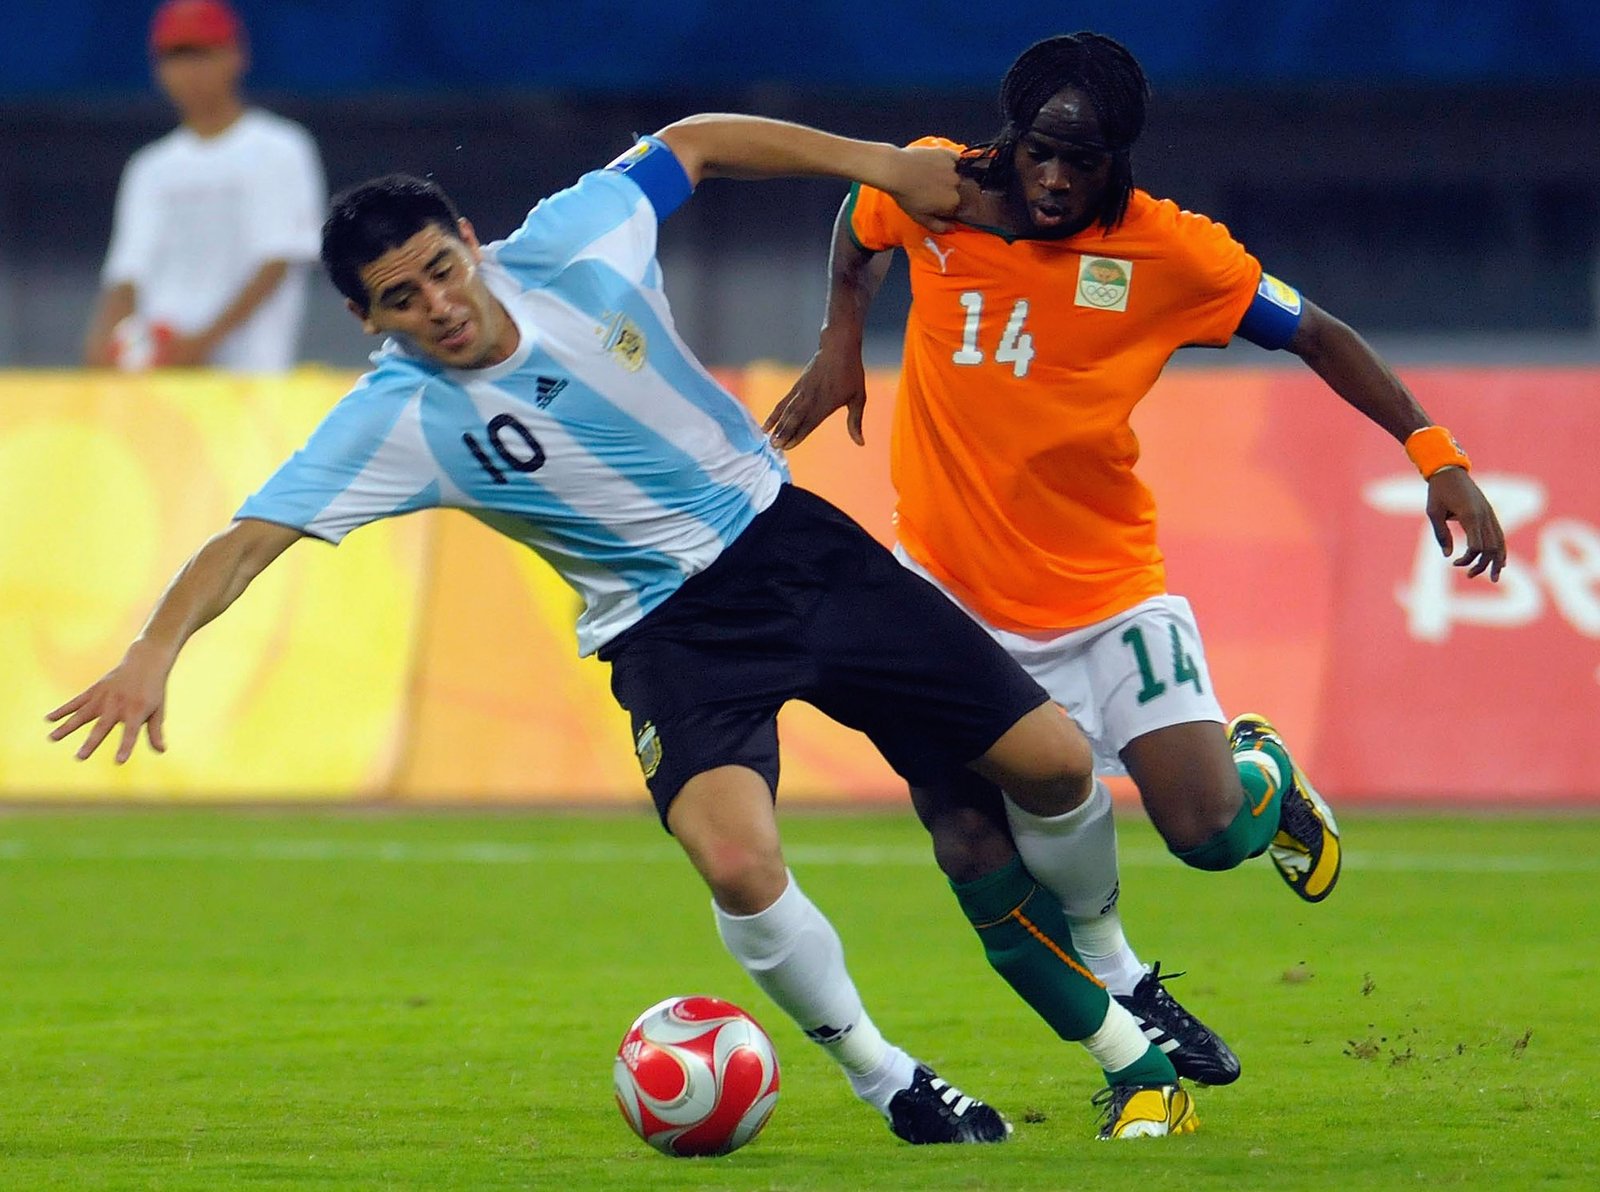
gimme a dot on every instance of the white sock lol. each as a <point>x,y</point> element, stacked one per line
<point>794,954</point>
<point>1074,856</point>
<point>1119,1041</point>
<point>878,1087</point>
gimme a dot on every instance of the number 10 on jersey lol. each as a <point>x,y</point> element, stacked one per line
<point>1015,347</point>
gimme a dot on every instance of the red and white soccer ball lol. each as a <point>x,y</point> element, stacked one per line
<point>696,1076</point>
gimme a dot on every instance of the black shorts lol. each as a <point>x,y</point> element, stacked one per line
<point>806,605</point>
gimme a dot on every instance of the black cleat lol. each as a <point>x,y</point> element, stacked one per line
<point>933,1111</point>
<point>1193,1048</point>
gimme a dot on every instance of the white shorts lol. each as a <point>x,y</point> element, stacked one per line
<point>1120,678</point>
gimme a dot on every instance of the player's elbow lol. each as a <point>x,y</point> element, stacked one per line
<point>249,545</point>
<point>693,142</point>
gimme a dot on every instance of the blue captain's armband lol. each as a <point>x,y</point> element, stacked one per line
<point>1273,316</point>
<point>656,171</point>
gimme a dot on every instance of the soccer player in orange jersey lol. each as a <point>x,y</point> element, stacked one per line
<point>1037,323</point>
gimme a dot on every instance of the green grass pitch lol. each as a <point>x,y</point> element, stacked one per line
<point>213,1000</point>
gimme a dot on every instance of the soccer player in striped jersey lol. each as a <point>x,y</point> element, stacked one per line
<point>538,384</point>
<point>1037,323</point>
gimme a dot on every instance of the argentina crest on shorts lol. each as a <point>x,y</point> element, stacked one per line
<point>647,744</point>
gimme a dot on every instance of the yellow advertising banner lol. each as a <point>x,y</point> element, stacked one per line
<point>424,659</point>
<point>107,484</point>
<point>427,659</point>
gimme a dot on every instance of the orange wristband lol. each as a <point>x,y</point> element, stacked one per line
<point>1432,448</point>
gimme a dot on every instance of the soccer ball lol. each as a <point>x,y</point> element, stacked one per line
<point>696,1076</point>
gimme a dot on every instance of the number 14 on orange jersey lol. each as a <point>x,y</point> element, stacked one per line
<point>1015,347</point>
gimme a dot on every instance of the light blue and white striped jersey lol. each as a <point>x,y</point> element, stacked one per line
<point>601,442</point>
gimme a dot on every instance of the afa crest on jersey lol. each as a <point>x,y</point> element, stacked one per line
<point>1103,283</point>
<point>624,341</point>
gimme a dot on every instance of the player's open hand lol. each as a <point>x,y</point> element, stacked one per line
<point>132,695</point>
<point>833,380</point>
<point>1453,496</point>
<point>929,187</point>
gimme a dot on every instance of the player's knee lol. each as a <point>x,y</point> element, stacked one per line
<point>744,878</point>
<point>1044,762</point>
<point>1195,818</point>
<point>968,844</point>
<point>1204,831</point>
<point>723,819</point>
<point>1058,780</point>
<point>1215,813</point>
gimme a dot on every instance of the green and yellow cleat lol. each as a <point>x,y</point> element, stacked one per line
<point>1306,848</point>
<point>1145,1111</point>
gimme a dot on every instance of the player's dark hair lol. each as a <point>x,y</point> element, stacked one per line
<point>373,217</point>
<point>1107,74</point>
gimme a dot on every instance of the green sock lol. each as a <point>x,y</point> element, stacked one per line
<point>1151,1068</point>
<point>1257,822</point>
<point>1027,941</point>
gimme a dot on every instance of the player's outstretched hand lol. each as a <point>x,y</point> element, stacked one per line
<point>928,187</point>
<point>1454,496</point>
<point>833,380</point>
<point>133,694</point>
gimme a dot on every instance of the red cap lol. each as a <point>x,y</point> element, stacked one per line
<point>200,24</point>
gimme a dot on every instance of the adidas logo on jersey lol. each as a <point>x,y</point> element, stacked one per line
<point>546,390</point>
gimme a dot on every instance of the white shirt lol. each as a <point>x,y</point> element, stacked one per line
<point>197,217</point>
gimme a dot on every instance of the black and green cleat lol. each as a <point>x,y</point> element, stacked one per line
<point>1306,849</point>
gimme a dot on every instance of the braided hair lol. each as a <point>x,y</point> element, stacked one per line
<point>1106,73</point>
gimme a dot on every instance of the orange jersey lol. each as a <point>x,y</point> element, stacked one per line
<point>1011,451</point>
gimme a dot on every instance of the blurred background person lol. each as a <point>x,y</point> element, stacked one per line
<point>216,222</point>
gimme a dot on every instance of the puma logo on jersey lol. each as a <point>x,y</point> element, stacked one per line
<point>934,249</point>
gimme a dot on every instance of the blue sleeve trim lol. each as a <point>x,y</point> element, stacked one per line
<point>1273,316</point>
<point>655,169</point>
